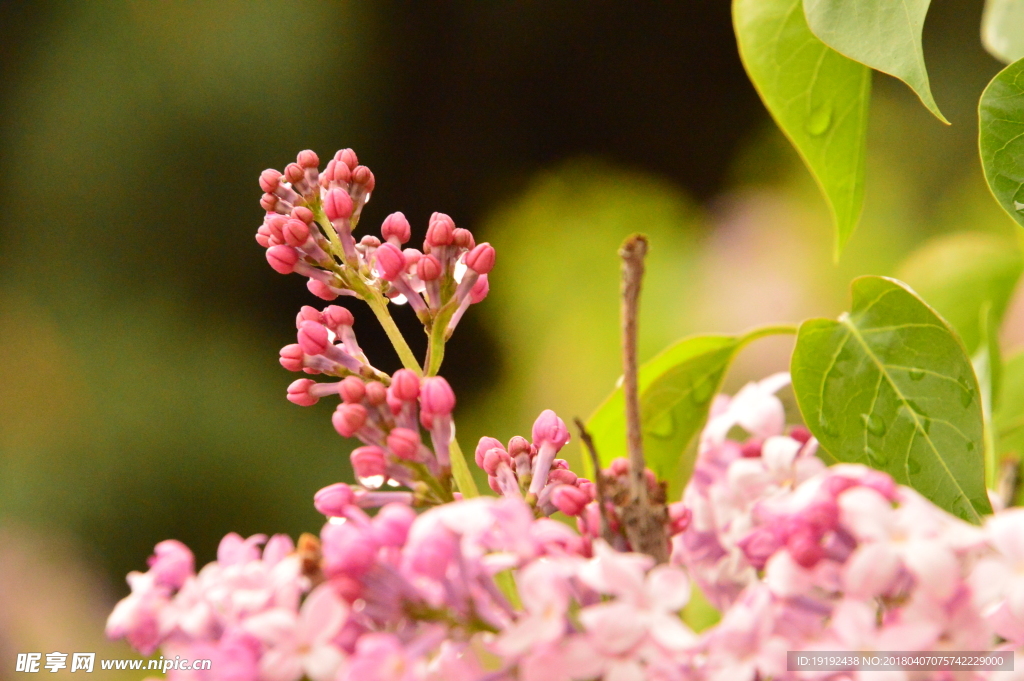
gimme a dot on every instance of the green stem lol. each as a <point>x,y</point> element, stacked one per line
<point>394,335</point>
<point>460,471</point>
<point>765,331</point>
<point>436,338</point>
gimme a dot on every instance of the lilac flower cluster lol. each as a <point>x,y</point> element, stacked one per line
<point>441,584</point>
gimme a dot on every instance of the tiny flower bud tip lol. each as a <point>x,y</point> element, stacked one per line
<point>348,418</point>
<point>481,259</point>
<point>293,172</point>
<point>436,396</point>
<point>307,313</point>
<point>336,316</point>
<point>298,393</point>
<point>440,232</point>
<point>352,389</point>
<point>368,461</point>
<point>480,290</point>
<point>405,385</point>
<point>296,232</point>
<point>268,202</point>
<point>337,205</point>
<point>376,393</point>
<point>428,268</point>
<point>348,157</point>
<point>291,357</point>
<point>390,262</point>
<point>333,499</point>
<point>362,175</point>
<point>396,227</point>
<point>313,338</point>
<point>321,290</point>
<point>269,180</point>
<point>463,238</point>
<point>308,159</point>
<point>519,445</point>
<point>282,258</point>
<point>569,500</point>
<point>485,444</point>
<point>303,213</point>
<point>549,428</point>
<point>495,457</point>
<point>404,443</point>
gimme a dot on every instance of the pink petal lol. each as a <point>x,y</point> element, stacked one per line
<point>322,662</point>
<point>668,588</point>
<point>614,627</point>
<point>322,615</point>
<point>870,571</point>
<point>279,664</point>
<point>934,566</point>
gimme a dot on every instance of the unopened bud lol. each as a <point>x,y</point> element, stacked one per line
<point>298,393</point>
<point>333,499</point>
<point>282,258</point>
<point>396,228</point>
<point>313,338</point>
<point>549,428</point>
<point>485,444</point>
<point>481,259</point>
<point>405,385</point>
<point>337,205</point>
<point>352,389</point>
<point>463,238</point>
<point>428,268</point>
<point>376,393</point>
<point>436,396</point>
<point>569,500</point>
<point>368,461</point>
<point>348,418</point>
<point>404,443</point>
<point>390,262</point>
<point>269,180</point>
<point>308,159</point>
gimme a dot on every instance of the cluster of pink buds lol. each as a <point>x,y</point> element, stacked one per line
<point>387,419</point>
<point>326,345</point>
<point>309,229</point>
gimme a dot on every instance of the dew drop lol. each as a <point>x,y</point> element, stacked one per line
<point>970,446</point>
<point>874,457</point>
<point>966,397</point>
<point>926,425</point>
<point>915,374</point>
<point>874,423</point>
<point>827,427</point>
<point>663,426</point>
<point>702,391</point>
<point>913,466</point>
<point>371,482</point>
<point>915,407</point>
<point>820,119</point>
<point>1017,205</point>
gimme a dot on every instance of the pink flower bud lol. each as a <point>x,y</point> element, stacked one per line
<point>269,180</point>
<point>440,232</point>
<point>428,268</point>
<point>282,258</point>
<point>562,476</point>
<point>494,458</point>
<point>679,517</point>
<point>376,393</point>
<point>520,445</point>
<point>396,228</point>
<point>313,338</point>
<point>618,467</point>
<point>348,418</point>
<point>481,259</point>
<point>337,205</point>
<point>233,550</point>
<point>303,213</point>
<point>805,548</point>
<point>404,443</point>
<point>759,546</point>
<point>336,316</point>
<point>277,549</point>
<point>308,159</point>
<point>296,232</point>
<point>333,499</point>
<point>171,563</point>
<point>370,241</point>
<point>463,238</point>
<point>405,385</point>
<point>390,262</point>
<point>298,393</point>
<point>268,202</point>
<point>308,313</point>
<point>321,290</point>
<point>569,500</point>
<point>291,357</point>
<point>361,175</point>
<point>352,389</point>
<point>368,461</point>
<point>293,172</point>
<point>751,449</point>
<point>549,428</point>
<point>800,434</point>
<point>391,524</point>
<point>263,236</point>
<point>485,444</point>
<point>436,396</point>
<point>412,256</point>
<point>347,157</point>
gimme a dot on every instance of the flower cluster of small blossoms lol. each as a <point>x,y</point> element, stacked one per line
<point>309,229</point>
<point>529,471</point>
<point>433,587</point>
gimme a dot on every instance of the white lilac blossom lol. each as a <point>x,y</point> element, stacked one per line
<point>434,586</point>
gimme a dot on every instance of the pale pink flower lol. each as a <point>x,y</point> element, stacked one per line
<point>301,643</point>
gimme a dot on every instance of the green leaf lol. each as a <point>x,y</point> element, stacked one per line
<point>1002,29</point>
<point>960,273</point>
<point>890,385</point>
<point>1001,138</point>
<point>818,97</point>
<point>676,389</point>
<point>882,34</point>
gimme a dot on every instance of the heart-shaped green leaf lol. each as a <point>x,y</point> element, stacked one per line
<point>882,34</point>
<point>1002,29</point>
<point>890,385</point>
<point>676,389</point>
<point>1001,138</point>
<point>818,97</point>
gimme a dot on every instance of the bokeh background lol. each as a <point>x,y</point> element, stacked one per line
<point>140,394</point>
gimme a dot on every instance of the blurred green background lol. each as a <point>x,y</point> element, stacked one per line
<point>140,394</point>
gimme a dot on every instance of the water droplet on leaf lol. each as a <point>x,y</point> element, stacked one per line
<point>662,426</point>
<point>915,374</point>
<point>827,428</point>
<point>874,423</point>
<point>819,120</point>
<point>966,397</point>
<point>913,466</point>
<point>874,457</point>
